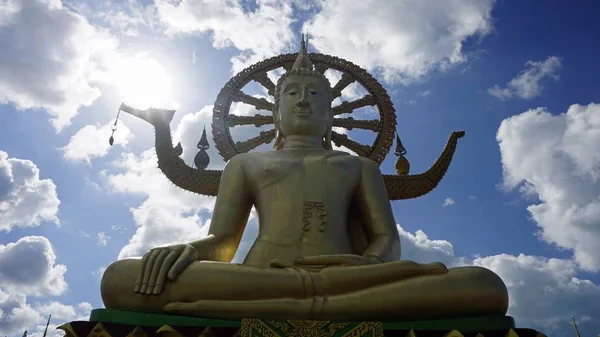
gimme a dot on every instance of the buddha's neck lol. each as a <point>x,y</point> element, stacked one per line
<point>297,142</point>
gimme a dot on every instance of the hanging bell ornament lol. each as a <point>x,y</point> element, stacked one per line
<point>202,159</point>
<point>111,140</point>
<point>402,164</point>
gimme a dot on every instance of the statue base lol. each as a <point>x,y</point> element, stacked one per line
<point>117,323</point>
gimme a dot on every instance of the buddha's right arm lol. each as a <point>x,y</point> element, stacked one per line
<point>230,215</point>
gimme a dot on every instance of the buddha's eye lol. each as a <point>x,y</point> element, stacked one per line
<point>292,93</point>
<point>314,92</point>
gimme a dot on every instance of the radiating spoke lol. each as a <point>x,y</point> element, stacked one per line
<point>266,82</point>
<point>265,137</point>
<point>351,123</point>
<point>256,120</point>
<point>343,140</point>
<point>258,103</point>
<point>347,107</point>
<point>345,81</point>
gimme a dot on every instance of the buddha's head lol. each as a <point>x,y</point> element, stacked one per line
<point>303,102</point>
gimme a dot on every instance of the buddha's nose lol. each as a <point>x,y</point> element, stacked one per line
<point>303,101</point>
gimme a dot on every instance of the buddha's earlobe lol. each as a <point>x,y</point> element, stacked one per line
<point>327,141</point>
<point>278,136</point>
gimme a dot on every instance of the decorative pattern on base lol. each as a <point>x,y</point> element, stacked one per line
<point>119,323</point>
<point>258,328</point>
<point>265,328</point>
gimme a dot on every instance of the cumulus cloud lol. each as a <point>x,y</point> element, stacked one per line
<point>448,202</point>
<point>543,292</point>
<point>29,266</point>
<point>420,248</point>
<point>17,315</point>
<point>556,158</point>
<point>128,18</point>
<point>102,239</point>
<point>91,141</point>
<point>25,199</point>
<point>404,40</point>
<point>49,67</point>
<point>20,315</point>
<point>169,214</point>
<point>528,83</point>
<point>267,30</point>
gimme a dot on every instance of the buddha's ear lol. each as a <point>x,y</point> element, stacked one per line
<point>278,136</point>
<point>327,141</point>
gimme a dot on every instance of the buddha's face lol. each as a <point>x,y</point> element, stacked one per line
<point>304,107</point>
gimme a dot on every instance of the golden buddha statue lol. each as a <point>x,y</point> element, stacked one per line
<point>327,247</point>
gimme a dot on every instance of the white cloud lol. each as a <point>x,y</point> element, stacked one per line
<point>129,18</point>
<point>543,292</point>
<point>20,315</point>
<point>403,40</point>
<point>25,199</point>
<point>448,202</point>
<point>351,92</point>
<point>169,214</point>
<point>98,272</point>
<point>49,67</point>
<point>266,30</point>
<point>91,141</point>
<point>29,266</point>
<point>528,84</point>
<point>17,314</point>
<point>557,159</point>
<point>419,248</point>
<point>119,229</point>
<point>67,57</point>
<point>140,79</point>
<point>102,239</point>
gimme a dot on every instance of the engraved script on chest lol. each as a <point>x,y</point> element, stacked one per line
<point>315,191</point>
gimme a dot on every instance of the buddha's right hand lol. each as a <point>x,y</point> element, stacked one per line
<point>162,263</point>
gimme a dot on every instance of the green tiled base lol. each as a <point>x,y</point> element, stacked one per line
<point>117,323</point>
<point>157,320</point>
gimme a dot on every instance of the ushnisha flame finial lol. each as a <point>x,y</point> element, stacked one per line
<point>303,62</point>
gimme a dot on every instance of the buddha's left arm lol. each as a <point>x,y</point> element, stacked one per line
<point>377,216</point>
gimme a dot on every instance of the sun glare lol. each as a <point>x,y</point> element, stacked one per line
<point>142,82</point>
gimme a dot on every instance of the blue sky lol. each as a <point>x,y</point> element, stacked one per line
<point>522,196</point>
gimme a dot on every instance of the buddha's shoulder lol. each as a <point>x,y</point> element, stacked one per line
<point>364,163</point>
<point>344,157</point>
<point>245,160</point>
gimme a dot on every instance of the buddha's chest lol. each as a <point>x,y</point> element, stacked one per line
<point>310,177</point>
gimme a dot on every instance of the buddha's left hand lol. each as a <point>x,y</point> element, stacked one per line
<point>339,260</point>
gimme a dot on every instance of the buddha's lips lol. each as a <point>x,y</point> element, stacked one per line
<point>302,112</point>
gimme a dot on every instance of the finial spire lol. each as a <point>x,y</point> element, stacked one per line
<point>306,43</point>
<point>303,63</point>
<point>400,149</point>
